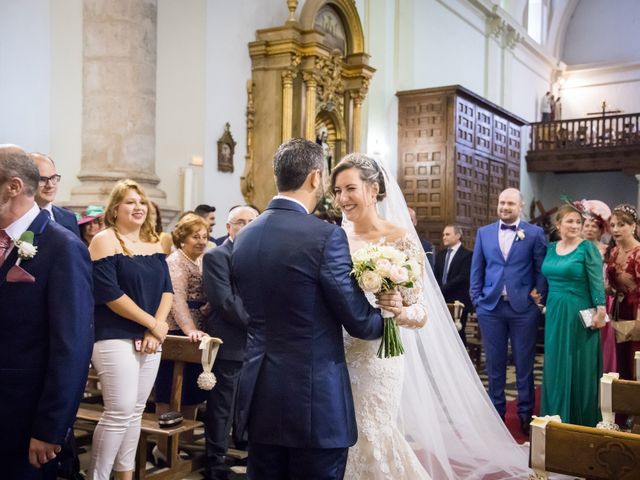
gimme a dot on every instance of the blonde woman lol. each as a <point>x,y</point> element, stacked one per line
<point>133,296</point>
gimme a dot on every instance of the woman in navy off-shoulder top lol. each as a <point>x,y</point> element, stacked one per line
<point>133,296</point>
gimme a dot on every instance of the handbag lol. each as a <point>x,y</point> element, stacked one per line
<point>170,419</point>
<point>627,330</point>
<point>587,315</point>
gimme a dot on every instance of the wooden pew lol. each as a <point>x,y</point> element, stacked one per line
<point>619,396</point>
<point>584,452</point>
<point>181,351</point>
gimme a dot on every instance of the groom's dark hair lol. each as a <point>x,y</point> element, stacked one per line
<point>294,161</point>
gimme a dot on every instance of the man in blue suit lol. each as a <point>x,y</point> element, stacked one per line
<point>47,190</point>
<point>506,286</point>
<point>47,320</point>
<point>292,273</point>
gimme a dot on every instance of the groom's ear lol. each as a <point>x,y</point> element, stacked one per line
<point>314,178</point>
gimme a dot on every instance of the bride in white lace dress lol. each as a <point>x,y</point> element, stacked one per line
<point>424,414</point>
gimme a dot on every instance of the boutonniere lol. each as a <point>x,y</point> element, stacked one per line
<point>520,234</point>
<point>26,251</point>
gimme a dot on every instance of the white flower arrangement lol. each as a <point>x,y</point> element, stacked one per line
<point>520,234</point>
<point>26,249</point>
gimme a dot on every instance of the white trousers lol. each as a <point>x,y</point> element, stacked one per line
<point>127,378</point>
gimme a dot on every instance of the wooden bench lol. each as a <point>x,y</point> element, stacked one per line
<point>584,452</point>
<point>619,396</point>
<point>181,351</point>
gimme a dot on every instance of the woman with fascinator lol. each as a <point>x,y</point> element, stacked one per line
<point>623,275</point>
<point>424,414</point>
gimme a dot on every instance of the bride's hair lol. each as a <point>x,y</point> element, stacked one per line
<point>369,172</point>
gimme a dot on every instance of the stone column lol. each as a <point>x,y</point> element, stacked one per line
<point>358,98</point>
<point>119,98</point>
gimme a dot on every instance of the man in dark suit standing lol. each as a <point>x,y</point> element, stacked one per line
<point>452,271</point>
<point>228,320</point>
<point>46,302</point>
<point>506,286</point>
<point>427,246</point>
<point>47,190</point>
<point>291,270</point>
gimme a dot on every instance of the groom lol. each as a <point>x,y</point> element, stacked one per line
<point>292,273</point>
<point>506,285</point>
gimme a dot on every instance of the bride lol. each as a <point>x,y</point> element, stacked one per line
<point>425,414</point>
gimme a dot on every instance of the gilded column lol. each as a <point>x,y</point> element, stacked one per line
<point>311,84</point>
<point>287,104</point>
<point>358,98</point>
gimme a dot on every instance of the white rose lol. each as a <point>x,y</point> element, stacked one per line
<point>383,267</point>
<point>370,282</point>
<point>399,274</point>
<point>27,250</point>
<point>361,255</point>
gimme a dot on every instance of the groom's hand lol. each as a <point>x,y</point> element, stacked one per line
<point>391,302</point>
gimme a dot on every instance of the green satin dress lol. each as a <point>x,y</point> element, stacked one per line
<point>572,358</point>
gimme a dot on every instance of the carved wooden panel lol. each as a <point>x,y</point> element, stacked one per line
<point>455,178</point>
<point>483,129</point>
<point>514,143</point>
<point>464,122</point>
<point>500,135</point>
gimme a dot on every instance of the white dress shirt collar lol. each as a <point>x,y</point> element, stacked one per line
<point>280,196</point>
<point>21,225</point>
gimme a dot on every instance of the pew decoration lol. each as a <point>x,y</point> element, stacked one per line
<point>606,402</point>
<point>207,380</point>
<point>538,445</point>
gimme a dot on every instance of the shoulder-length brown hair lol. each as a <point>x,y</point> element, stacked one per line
<point>120,190</point>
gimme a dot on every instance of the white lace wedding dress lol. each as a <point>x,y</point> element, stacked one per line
<point>382,452</point>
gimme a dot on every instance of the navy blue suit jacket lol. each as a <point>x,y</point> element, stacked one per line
<point>47,339</point>
<point>228,319</point>
<point>66,218</point>
<point>292,273</point>
<point>520,272</point>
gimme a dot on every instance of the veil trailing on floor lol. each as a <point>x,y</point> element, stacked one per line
<point>446,414</point>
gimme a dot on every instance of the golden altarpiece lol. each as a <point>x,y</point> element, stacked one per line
<point>309,79</point>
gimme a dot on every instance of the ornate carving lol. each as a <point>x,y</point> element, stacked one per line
<point>616,458</point>
<point>226,149</point>
<point>330,83</point>
<point>246,181</point>
<point>500,29</point>
<point>292,5</point>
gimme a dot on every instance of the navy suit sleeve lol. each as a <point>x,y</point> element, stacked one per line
<point>478,264</point>
<point>216,282</point>
<point>539,252</point>
<point>70,314</point>
<point>342,293</point>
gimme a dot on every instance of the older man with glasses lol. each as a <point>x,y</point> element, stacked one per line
<point>47,190</point>
<point>228,320</point>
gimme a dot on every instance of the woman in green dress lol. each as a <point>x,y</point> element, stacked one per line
<point>573,359</point>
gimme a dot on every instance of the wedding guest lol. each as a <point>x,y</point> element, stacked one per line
<point>228,321</point>
<point>133,295</point>
<point>47,325</point>
<point>545,107</point>
<point>188,309</point>
<point>452,271</point>
<point>208,212</point>
<point>573,357</point>
<point>165,239</point>
<point>47,191</point>
<point>623,275</point>
<point>91,221</point>
<point>427,246</point>
<point>506,286</point>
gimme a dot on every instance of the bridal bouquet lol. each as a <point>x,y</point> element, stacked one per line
<point>379,269</point>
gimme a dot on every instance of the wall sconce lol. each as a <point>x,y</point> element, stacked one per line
<point>197,161</point>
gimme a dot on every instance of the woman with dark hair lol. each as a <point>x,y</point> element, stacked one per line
<point>156,219</point>
<point>623,275</point>
<point>90,222</point>
<point>573,358</point>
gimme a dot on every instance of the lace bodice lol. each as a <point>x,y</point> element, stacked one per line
<point>189,303</point>
<point>382,452</point>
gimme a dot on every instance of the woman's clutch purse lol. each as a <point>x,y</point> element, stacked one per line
<point>170,419</point>
<point>587,315</point>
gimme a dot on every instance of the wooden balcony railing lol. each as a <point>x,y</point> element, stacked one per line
<point>579,133</point>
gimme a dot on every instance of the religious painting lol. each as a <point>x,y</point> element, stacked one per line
<point>329,22</point>
<point>226,149</point>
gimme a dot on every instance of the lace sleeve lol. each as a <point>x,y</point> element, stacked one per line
<point>180,316</point>
<point>413,298</point>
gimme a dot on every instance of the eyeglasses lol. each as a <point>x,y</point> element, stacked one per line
<point>242,223</point>
<point>54,179</point>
